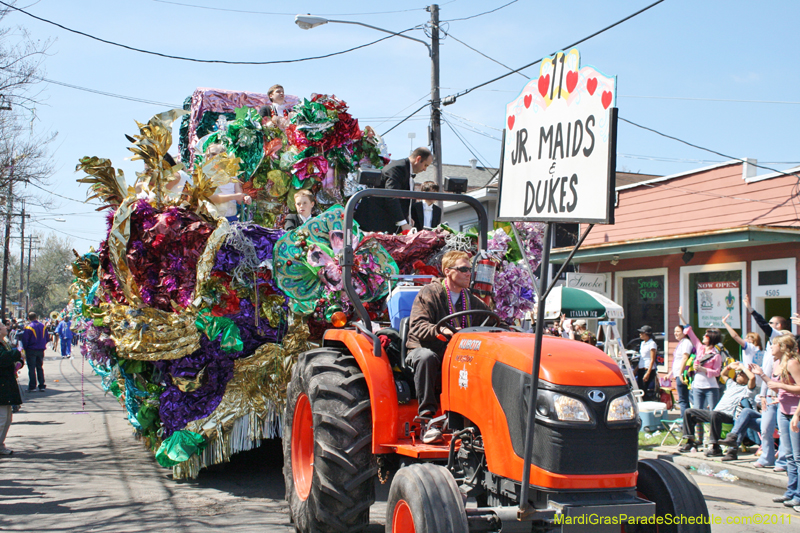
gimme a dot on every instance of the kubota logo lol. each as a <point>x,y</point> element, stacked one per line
<point>470,345</point>
<point>597,396</point>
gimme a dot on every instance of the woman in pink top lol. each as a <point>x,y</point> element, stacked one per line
<point>785,379</point>
<point>707,365</point>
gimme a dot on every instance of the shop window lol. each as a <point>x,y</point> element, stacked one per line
<point>565,235</point>
<point>712,295</point>
<point>643,302</point>
<point>773,277</point>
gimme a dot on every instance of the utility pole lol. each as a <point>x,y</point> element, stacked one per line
<point>7,241</point>
<point>22,252</point>
<point>28,284</point>
<point>436,105</point>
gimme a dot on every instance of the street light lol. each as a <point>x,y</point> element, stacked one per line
<point>306,22</point>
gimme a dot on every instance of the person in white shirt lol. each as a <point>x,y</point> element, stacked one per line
<point>680,356</point>
<point>645,373</point>
<point>769,398</point>
<point>426,214</point>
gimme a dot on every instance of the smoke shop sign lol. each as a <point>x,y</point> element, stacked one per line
<point>593,282</point>
<point>560,140</point>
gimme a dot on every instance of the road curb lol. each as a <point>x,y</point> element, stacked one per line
<point>747,473</point>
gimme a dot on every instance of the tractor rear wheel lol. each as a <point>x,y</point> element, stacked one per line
<point>675,495</point>
<point>329,468</point>
<point>424,498</point>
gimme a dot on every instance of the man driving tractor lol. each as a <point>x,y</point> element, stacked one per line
<point>435,301</point>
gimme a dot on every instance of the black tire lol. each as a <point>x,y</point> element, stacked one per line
<point>675,496</point>
<point>429,495</point>
<point>342,487</point>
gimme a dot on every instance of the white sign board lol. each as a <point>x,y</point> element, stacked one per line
<point>598,283</point>
<point>715,299</point>
<point>560,143</point>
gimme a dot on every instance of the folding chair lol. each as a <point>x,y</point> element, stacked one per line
<point>670,426</point>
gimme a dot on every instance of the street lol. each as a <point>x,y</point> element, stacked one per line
<point>81,469</point>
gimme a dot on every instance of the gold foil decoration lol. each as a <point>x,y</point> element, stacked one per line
<point>117,247</point>
<point>206,262</point>
<point>151,145</point>
<point>107,183</point>
<point>187,384</point>
<point>150,334</point>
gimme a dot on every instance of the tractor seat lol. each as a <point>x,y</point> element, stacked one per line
<point>396,351</point>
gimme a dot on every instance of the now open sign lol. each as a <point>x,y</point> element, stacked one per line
<point>559,147</point>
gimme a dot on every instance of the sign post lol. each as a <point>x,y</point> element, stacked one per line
<point>557,164</point>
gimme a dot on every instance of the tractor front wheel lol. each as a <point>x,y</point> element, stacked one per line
<point>675,495</point>
<point>329,468</point>
<point>424,498</point>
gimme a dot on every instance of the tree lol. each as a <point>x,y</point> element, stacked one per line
<point>24,153</point>
<point>51,276</point>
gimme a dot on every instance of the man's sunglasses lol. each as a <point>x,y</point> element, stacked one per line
<point>462,269</point>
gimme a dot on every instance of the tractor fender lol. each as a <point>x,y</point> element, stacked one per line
<point>380,381</point>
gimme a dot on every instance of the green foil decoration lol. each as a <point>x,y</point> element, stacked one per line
<point>179,447</point>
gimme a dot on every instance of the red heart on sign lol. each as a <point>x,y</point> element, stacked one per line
<point>511,122</point>
<point>544,83</point>
<point>572,80</point>
<point>527,99</point>
<point>591,85</point>
<point>606,99</point>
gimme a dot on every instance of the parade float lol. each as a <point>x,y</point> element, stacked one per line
<point>194,322</point>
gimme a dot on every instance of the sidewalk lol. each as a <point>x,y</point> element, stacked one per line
<point>742,467</point>
<point>78,467</point>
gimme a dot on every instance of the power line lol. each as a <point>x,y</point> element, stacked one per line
<point>687,143</point>
<point>426,104</point>
<point>406,107</point>
<point>67,234</point>
<point>474,122</point>
<point>61,196</point>
<point>679,160</point>
<point>112,95</point>
<point>466,144</point>
<point>795,189</point>
<point>484,13</point>
<point>286,14</point>
<point>471,128</point>
<point>484,55</point>
<point>709,99</point>
<point>219,61</point>
<point>576,43</point>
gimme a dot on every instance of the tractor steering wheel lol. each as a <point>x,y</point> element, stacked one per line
<point>496,321</point>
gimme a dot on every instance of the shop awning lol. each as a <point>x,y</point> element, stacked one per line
<point>674,244</point>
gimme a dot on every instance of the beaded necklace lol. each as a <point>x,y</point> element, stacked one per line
<point>464,303</point>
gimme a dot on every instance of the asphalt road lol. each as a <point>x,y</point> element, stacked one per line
<point>77,467</point>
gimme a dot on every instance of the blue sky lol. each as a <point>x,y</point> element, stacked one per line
<point>699,71</point>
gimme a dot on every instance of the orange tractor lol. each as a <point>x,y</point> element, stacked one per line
<point>568,464</point>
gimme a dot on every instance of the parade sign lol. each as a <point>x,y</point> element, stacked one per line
<point>715,299</point>
<point>559,147</point>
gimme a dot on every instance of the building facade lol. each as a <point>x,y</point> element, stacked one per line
<point>699,240</point>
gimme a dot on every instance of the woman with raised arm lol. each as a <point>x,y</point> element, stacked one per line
<point>785,380</point>
<point>707,366</point>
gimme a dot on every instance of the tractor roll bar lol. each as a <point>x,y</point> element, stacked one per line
<point>348,253</point>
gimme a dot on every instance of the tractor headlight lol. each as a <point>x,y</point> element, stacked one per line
<point>621,409</point>
<point>569,409</point>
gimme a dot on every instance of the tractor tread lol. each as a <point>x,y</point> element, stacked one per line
<point>342,484</point>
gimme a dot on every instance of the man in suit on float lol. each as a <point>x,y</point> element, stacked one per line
<point>426,214</point>
<point>389,215</point>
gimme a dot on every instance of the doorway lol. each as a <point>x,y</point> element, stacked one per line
<point>778,307</point>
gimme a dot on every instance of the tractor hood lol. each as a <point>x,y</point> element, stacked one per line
<point>563,362</point>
